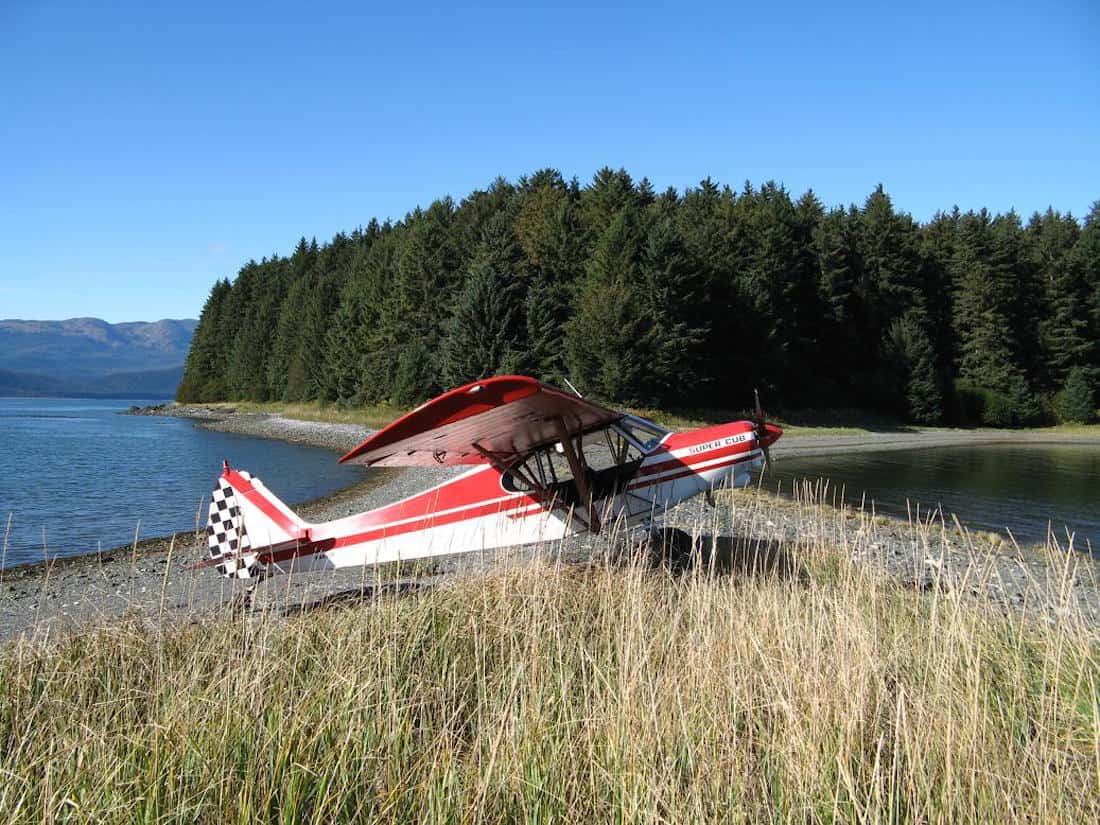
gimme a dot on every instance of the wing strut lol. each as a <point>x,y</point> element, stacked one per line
<point>548,500</point>
<point>579,477</point>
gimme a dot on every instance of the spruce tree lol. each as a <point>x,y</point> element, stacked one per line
<point>648,298</point>
<point>984,306</point>
<point>843,355</point>
<point>1075,402</point>
<point>202,378</point>
<point>670,291</point>
<point>1064,326</point>
<point>423,291</point>
<point>548,308</point>
<point>288,342</point>
<point>484,335</point>
<point>1086,253</point>
<point>705,225</point>
<point>911,359</point>
<point>609,194</point>
<point>607,337</point>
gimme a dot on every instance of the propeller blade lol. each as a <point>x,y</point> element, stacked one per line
<point>761,429</point>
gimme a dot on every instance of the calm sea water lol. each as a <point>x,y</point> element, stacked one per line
<point>1022,488</point>
<point>76,476</point>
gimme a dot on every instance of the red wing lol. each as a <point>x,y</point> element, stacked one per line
<point>508,416</point>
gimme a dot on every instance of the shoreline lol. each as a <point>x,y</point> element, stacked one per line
<point>154,578</point>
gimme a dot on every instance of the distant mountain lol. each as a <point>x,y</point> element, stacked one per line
<point>88,356</point>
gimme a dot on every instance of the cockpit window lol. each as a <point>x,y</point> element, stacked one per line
<point>610,457</point>
<point>514,484</point>
<point>645,432</point>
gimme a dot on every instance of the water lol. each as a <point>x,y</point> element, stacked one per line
<point>76,476</point>
<point>1021,488</point>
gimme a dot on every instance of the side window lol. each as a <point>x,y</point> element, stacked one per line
<point>646,433</point>
<point>514,484</point>
<point>547,467</point>
<point>609,448</point>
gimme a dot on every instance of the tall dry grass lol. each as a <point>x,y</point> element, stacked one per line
<point>812,691</point>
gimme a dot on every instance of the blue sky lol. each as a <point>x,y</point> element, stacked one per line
<point>148,151</point>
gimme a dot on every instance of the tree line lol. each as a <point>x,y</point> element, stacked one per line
<point>674,300</point>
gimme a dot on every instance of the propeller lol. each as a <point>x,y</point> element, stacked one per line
<point>761,430</point>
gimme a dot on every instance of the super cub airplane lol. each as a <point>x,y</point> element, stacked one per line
<point>544,464</point>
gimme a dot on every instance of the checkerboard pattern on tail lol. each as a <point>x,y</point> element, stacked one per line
<point>227,537</point>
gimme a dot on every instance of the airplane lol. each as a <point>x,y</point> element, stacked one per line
<point>544,464</point>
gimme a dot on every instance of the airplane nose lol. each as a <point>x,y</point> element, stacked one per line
<point>770,435</point>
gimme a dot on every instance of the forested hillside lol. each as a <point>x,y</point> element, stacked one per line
<point>677,300</point>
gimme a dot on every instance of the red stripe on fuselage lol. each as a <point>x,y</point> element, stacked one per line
<point>691,470</point>
<point>388,531</point>
<point>519,507</point>
<point>692,460</point>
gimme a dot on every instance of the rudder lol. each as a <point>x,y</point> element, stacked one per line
<point>245,520</point>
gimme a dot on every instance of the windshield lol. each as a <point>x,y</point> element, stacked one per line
<point>647,434</point>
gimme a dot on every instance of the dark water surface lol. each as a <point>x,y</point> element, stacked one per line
<point>76,476</point>
<point>1021,488</point>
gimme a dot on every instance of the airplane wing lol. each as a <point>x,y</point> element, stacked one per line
<point>504,417</point>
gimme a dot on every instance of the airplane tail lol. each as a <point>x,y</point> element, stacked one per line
<point>246,521</point>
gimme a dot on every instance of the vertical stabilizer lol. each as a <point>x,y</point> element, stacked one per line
<point>246,519</point>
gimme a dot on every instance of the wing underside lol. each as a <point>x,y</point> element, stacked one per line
<point>497,420</point>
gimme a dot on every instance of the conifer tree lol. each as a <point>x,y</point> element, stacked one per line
<point>707,221</point>
<point>547,310</point>
<point>1086,253</point>
<point>984,286</point>
<point>247,376</point>
<point>287,342</point>
<point>670,292</point>
<point>609,194</point>
<point>1076,402</point>
<point>842,355</point>
<point>937,250</point>
<point>346,344</point>
<point>606,339</point>
<point>423,291</point>
<point>484,335</point>
<point>1064,329</point>
<point>912,360</point>
<point>202,373</point>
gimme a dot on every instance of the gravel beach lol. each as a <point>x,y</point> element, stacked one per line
<point>153,579</point>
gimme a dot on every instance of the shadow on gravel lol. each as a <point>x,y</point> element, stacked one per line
<point>355,596</point>
<point>671,549</point>
<point>722,555</point>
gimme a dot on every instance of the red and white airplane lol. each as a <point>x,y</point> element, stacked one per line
<point>545,464</point>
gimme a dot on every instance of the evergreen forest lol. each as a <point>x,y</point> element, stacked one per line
<point>674,300</point>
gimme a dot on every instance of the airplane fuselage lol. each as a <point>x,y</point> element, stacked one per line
<point>480,510</point>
